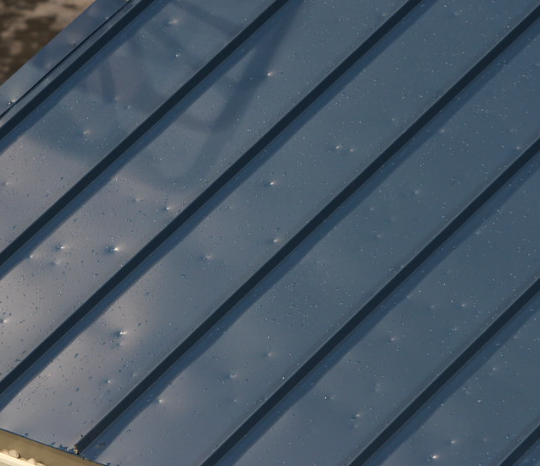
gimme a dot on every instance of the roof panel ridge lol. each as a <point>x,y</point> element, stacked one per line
<point>209,318</point>
<point>460,219</point>
<point>480,341</point>
<point>380,296</point>
<point>92,175</point>
<point>291,245</point>
<point>525,444</point>
<point>337,338</point>
<point>67,199</point>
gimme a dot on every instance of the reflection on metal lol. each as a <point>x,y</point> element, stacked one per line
<point>273,233</point>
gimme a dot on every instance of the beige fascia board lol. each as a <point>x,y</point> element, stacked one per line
<point>40,452</point>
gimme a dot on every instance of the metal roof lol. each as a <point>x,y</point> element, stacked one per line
<point>289,232</point>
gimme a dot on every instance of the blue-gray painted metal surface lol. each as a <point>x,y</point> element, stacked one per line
<point>292,232</point>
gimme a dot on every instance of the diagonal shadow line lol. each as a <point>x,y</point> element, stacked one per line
<point>338,338</point>
<point>317,374</point>
<point>135,136</point>
<point>221,25</point>
<point>216,22</point>
<point>101,167</point>
<point>286,250</point>
<point>474,348</point>
<point>123,18</point>
<point>522,447</point>
<point>451,370</point>
<point>459,365</point>
<point>168,231</point>
<point>11,260</point>
<point>210,151</point>
<point>120,278</point>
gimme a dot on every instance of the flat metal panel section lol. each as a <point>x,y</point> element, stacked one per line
<point>289,232</point>
<point>152,184</point>
<point>331,275</point>
<point>405,342</point>
<point>483,413</point>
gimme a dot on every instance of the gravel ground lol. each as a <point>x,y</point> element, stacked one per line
<point>27,25</point>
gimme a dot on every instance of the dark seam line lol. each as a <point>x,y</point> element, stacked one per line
<point>420,258</point>
<point>91,35</point>
<point>330,345</point>
<point>258,147</point>
<point>170,229</point>
<point>468,353</point>
<point>11,121</point>
<point>233,300</point>
<point>525,445</point>
<point>138,133</point>
<point>448,373</point>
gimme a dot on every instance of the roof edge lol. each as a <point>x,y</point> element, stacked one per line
<point>56,51</point>
<point>43,453</point>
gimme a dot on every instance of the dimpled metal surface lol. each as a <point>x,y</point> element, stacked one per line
<point>290,232</point>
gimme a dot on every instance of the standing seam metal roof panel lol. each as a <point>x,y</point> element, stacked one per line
<point>290,232</point>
